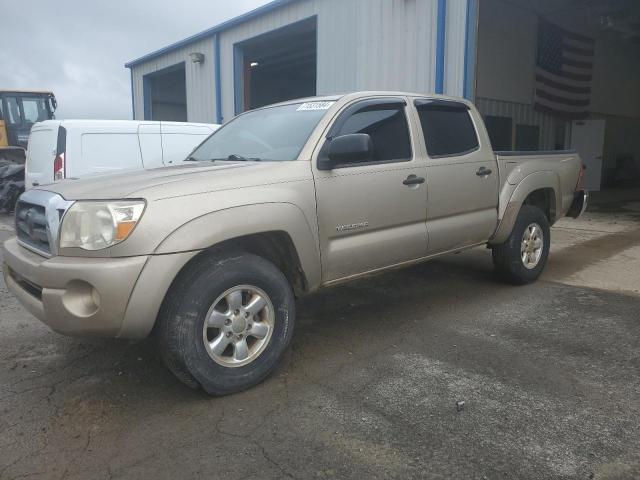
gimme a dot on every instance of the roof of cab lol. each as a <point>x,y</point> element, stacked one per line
<point>8,90</point>
<point>370,94</point>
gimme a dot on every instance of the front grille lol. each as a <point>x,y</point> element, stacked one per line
<point>38,217</point>
<point>31,226</point>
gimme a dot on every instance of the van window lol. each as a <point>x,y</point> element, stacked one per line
<point>105,152</point>
<point>448,129</point>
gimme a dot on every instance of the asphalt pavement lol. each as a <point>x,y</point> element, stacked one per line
<point>437,371</point>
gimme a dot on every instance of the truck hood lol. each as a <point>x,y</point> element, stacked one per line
<point>186,179</point>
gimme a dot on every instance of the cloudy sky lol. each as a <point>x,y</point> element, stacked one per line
<point>78,48</point>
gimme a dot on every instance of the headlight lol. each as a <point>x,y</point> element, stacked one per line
<point>98,225</point>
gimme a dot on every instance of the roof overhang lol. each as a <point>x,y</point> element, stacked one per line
<point>273,5</point>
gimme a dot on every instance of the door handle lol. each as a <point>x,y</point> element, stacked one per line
<point>413,180</point>
<point>483,172</point>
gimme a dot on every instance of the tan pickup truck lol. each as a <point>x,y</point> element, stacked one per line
<point>281,201</point>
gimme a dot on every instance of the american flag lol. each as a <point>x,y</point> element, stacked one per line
<point>564,69</point>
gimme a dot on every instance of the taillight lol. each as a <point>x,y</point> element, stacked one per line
<point>580,184</point>
<point>58,167</point>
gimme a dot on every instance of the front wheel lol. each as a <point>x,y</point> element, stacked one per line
<point>226,322</point>
<point>523,256</point>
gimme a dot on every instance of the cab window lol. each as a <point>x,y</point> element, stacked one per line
<point>447,127</point>
<point>13,111</point>
<point>385,122</point>
<point>35,110</point>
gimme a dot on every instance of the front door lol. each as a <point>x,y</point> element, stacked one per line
<point>587,138</point>
<point>462,177</point>
<point>372,214</point>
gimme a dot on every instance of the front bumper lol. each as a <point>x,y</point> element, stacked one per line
<point>579,205</point>
<point>108,297</point>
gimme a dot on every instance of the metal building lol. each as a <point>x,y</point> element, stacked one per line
<point>308,47</point>
<point>490,51</point>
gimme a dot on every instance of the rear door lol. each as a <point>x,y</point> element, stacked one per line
<point>369,215</point>
<point>587,138</point>
<point>179,140</point>
<point>462,176</point>
<point>41,154</point>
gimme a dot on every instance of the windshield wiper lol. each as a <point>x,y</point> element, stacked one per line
<point>239,158</point>
<point>234,158</point>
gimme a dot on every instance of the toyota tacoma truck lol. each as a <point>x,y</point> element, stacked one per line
<point>209,256</point>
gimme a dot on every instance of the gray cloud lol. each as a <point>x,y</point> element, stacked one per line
<point>78,48</point>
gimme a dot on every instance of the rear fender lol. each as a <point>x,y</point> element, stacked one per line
<point>513,196</point>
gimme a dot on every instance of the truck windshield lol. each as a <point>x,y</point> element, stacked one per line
<point>270,134</point>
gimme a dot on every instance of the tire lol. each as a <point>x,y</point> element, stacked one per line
<point>226,290</point>
<point>508,256</point>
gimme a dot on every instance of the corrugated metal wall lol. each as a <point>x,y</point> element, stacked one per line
<point>455,50</point>
<point>200,79</point>
<point>521,114</point>
<point>362,45</point>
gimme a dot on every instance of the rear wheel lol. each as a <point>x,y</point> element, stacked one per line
<point>226,322</point>
<point>523,256</point>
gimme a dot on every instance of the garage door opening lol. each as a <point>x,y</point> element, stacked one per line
<point>166,94</point>
<point>277,66</point>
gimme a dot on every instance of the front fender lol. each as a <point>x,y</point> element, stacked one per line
<point>213,228</point>
<point>513,196</point>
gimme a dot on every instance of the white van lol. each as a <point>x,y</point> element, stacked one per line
<point>74,148</point>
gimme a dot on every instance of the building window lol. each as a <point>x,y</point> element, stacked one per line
<point>527,138</point>
<point>560,136</point>
<point>500,130</point>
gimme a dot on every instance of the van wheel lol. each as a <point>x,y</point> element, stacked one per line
<point>226,322</point>
<point>523,256</point>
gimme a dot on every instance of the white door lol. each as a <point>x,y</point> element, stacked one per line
<point>41,154</point>
<point>150,145</point>
<point>178,141</point>
<point>587,138</point>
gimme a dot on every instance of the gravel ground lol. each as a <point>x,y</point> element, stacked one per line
<point>371,388</point>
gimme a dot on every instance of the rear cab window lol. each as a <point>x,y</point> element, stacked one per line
<point>447,128</point>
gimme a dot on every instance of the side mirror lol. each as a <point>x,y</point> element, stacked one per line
<point>352,148</point>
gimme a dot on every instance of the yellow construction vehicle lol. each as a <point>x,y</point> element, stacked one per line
<point>19,110</point>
